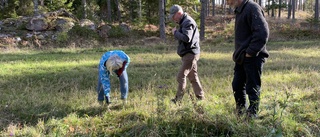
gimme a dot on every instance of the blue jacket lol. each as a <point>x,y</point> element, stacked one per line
<point>104,74</point>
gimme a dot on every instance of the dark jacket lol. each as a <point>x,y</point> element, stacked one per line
<point>188,36</point>
<point>251,31</point>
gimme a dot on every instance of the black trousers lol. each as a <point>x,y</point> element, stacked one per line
<point>247,81</point>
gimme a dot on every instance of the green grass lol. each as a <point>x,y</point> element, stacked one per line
<point>52,93</point>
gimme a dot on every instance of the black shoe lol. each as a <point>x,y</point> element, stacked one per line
<point>108,100</point>
<point>176,101</point>
<point>200,97</point>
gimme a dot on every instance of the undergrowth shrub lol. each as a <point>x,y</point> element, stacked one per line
<point>313,21</point>
<point>85,32</point>
<point>117,31</point>
<point>298,34</point>
<point>62,37</point>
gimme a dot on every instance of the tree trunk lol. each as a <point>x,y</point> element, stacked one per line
<point>260,3</point>
<point>36,11</point>
<point>289,9</point>
<point>131,10</point>
<point>109,16</point>
<point>140,10</point>
<point>304,6</point>
<point>268,9</point>
<point>213,7</point>
<point>293,9</point>
<point>272,8</point>
<point>162,20</point>
<point>208,8</point>
<point>118,11</point>
<point>165,14</point>
<point>316,10</point>
<point>42,3</point>
<point>202,19</point>
<point>223,6</point>
<point>279,13</point>
<point>316,13</point>
<point>84,4</point>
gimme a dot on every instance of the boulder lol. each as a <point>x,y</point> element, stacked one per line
<point>125,28</point>
<point>87,23</point>
<point>37,24</point>
<point>63,24</point>
<point>103,30</point>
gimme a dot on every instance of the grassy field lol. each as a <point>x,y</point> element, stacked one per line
<point>52,93</point>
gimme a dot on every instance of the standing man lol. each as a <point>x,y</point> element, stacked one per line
<point>189,50</point>
<point>251,36</point>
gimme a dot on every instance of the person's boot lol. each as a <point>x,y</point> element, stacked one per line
<point>108,102</point>
<point>176,100</point>
<point>200,97</point>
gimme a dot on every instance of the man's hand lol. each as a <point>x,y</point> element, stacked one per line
<point>173,30</point>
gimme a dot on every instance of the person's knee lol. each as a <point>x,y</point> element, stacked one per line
<point>125,83</point>
<point>179,78</point>
<point>236,86</point>
<point>255,91</point>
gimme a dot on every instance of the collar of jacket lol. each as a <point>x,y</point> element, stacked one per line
<point>240,8</point>
<point>182,17</point>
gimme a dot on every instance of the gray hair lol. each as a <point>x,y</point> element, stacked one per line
<point>114,63</point>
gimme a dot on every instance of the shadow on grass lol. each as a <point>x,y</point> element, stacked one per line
<point>191,125</point>
<point>19,90</point>
<point>44,95</point>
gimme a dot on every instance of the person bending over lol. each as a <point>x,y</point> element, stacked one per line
<point>115,61</point>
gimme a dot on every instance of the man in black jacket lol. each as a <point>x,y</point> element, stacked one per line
<point>189,50</point>
<point>251,36</point>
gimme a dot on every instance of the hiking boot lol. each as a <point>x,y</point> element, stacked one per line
<point>108,100</point>
<point>176,100</point>
<point>200,97</point>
